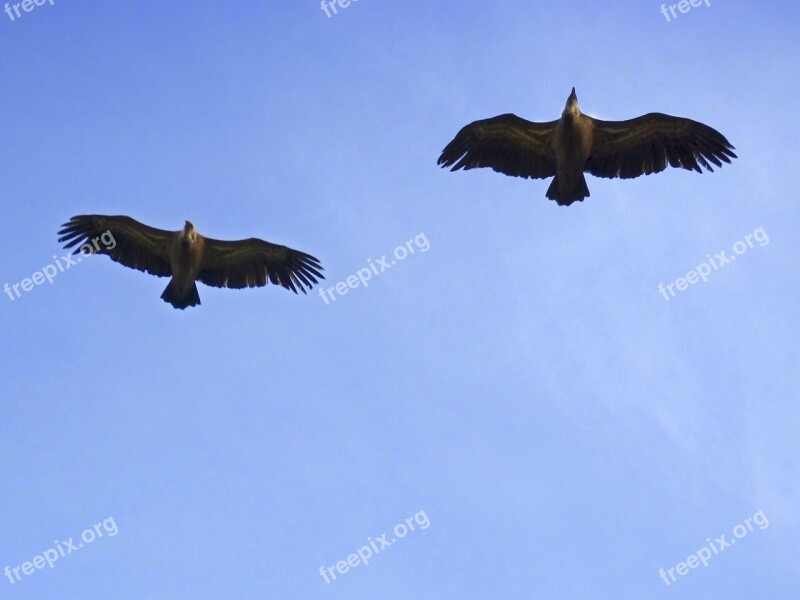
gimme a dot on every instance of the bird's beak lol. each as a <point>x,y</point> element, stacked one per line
<point>573,96</point>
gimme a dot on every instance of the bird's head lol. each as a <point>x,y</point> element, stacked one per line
<point>572,105</point>
<point>188,234</point>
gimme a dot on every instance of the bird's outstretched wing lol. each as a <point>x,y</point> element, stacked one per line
<point>254,262</point>
<point>650,143</point>
<point>125,240</point>
<point>507,144</point>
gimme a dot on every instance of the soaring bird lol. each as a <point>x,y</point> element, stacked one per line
<point>186,257</point>
<point>576,144</point>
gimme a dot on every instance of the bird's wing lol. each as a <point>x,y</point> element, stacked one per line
<point>507,144</point>
<point>649,143</point>
<point>254,262</point>
<point>125,240</point>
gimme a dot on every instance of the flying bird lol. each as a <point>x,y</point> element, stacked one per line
<point>576,144</point>
<point>187,257</point>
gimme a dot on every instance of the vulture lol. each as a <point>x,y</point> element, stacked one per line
<point>575,144</point>
<point>187,257</point>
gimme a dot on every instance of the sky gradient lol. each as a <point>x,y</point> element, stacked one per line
<point>564,429</point>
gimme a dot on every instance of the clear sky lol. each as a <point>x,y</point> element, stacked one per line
<point>521,391</point>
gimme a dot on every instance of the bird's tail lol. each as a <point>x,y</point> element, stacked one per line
<point>578,193</point>
<point>181,301</point>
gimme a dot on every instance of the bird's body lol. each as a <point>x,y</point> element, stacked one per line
<point>188,257</point>
<point>576,144</point>
<point>572,146</point>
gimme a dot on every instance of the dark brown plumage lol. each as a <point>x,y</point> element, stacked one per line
<point>186,257</point>
<point>576,144</point>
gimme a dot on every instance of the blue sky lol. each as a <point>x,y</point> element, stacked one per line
<point>565,430</point>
